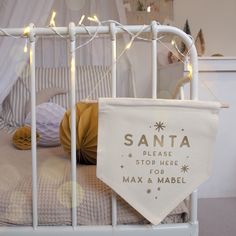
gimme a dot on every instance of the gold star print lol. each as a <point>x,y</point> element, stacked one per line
<point>149,191</point>
<point>184,168</point>
<point>159,126</point>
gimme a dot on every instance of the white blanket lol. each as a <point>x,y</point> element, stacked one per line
<point>54,195</point>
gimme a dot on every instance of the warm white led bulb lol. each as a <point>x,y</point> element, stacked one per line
<point>81,20</point>
<point>91,19</point>
<point>95,18</point>
<point>25,47</point>
<point>190,69</point>
<point>149,9</point>
<point>26,30</point>
<point>128,46</point>
<point>72,64</point>
<point>52,20</point>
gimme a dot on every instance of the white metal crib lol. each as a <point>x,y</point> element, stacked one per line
<point>180,229</point>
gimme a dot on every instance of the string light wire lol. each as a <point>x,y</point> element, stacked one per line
<point>91,39</point>
<point>211,92</point>
<point>52,26</point>
<point>133,37</point>
<point>10,35</point>
<point>56,32</point>
<point>117,59</point>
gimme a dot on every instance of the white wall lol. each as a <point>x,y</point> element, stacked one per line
<point>217,82</point>
<point>217,19</point>
<point>222,182</point>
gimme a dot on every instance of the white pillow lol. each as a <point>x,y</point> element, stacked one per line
<point>48,118</point>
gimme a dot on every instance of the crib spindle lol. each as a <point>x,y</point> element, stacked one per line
<point>113,48</point>
<point>113,74</point>
<point>33,127</point>
<point>194,199</point>
<point>181,92</point>
<point>114,208</point>
<point>73,123</point>
<point>154,60</point>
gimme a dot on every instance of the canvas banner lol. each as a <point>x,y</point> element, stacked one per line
<point>154,153</point>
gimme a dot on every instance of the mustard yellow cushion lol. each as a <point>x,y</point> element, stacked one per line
<point>86,132</point>
<point>22,138</point>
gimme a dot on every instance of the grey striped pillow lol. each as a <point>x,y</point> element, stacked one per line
<point>93,81</point>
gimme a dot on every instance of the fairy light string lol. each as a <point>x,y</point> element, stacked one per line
<point>52,25</point>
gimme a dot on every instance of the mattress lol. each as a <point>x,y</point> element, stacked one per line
<point>54,191</point>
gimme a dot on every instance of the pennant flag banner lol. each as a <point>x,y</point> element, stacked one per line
<point>154,153</point>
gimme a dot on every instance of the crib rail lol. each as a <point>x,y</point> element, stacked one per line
<point>71,32</point>
<point>185,229</point>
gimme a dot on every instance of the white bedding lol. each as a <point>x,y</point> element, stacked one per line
<point>94,197</point>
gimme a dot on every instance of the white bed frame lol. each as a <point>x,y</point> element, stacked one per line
<point>181,229</point>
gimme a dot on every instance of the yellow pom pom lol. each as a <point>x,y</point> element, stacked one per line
<point>86,127</point>
<point>22,138</point>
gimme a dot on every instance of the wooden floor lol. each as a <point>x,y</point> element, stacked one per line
<point>217,217</point>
